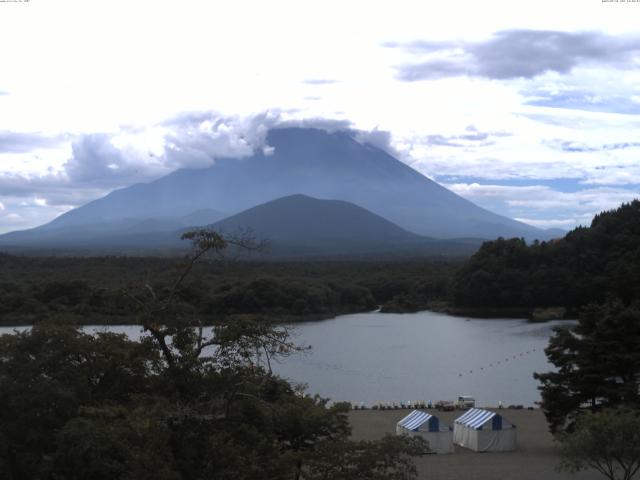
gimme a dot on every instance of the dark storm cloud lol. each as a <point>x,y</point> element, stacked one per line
<point>20,142</point>
<point>516,54</point>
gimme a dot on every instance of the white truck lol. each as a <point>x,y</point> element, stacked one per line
<point>466,402</point>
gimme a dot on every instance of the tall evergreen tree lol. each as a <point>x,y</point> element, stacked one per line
<point>597,362</point>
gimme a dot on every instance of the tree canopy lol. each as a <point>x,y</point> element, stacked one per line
<point>597,365</point>
<point>184,402</point>
<point>608,441</point>
<point>594,264</point>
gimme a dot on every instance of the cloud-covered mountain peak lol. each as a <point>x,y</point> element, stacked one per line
<point>318,163</point>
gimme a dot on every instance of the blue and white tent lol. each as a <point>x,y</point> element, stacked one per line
<point>484,431</point>
<point>427,426</point>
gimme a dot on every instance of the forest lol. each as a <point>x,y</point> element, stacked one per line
<point>177,404</point>
<point>592,264</point>
<point>103,406</point>
<point>506,277</point>
<point>100,290</point>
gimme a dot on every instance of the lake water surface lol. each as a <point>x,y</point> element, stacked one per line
<point>375,357</point>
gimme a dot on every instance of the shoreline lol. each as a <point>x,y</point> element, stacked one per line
<point>281,319</point>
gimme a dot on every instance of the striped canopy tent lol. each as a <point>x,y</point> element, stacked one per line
<point>484,431</point>
<point>427,426</point>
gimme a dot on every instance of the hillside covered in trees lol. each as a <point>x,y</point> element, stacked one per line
<point>590,265</point>
<point>98,290</point>
<point>505,277</point>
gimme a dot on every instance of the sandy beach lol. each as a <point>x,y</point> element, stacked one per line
<point>534,459</point>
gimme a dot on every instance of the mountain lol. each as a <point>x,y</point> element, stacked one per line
<point>101,231</point>
<point>299,225</point>
<point>299,219</point>
<point>308,161</point>
<point>292,227</point>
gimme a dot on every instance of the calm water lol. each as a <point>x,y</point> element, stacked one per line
<point>374,357</point>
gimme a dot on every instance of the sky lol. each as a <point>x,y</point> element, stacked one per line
<point>530,109</point>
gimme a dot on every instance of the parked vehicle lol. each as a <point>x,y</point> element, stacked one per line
<point>466,402</point>
<point>445,405</point>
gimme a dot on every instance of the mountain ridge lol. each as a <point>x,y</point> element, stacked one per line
<point>311,162</point>
<point>296,226</point>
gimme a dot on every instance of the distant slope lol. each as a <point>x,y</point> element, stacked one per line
<point>101,232</point>
<point>588,265</point>
<point>301,225</point>
<point>315,163</point>
<point>301,219</point>
<point>296,226</point>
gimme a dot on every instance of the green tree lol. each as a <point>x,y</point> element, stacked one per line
<point>588,265</point>
<point>115,443</point>
<point>184,402</point>
<point>597,365</point>
<point>47,374</point>
<point>607,441</point>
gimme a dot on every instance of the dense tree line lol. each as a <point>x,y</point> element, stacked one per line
<point>592,397</point>
<point>77,406</point>
<point>178,404</point>
<point>589,265</point>
<point>597,365</point>
<point>96,289</point>
<point>505,277</point>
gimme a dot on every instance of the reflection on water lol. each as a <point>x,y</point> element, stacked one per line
<point>375,357</point>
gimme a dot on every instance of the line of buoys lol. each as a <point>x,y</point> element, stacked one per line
<point>513,357</point>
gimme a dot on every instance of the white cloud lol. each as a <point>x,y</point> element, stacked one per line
<point>541,205</point>
<point>544,197</point>
<point>21,213</point>
<point>101,162</point>
<point>108,108</point>
<point>380,139</point>
<point>619,174</point>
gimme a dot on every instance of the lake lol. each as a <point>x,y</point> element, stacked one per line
<point>375,357</point>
